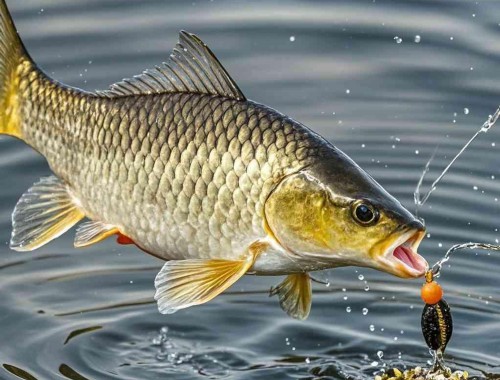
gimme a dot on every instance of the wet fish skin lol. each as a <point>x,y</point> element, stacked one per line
<point>184,175</point>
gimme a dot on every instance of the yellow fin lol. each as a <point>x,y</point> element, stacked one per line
<point>92,232</point>
<point>295,295</point>
<point>43,213</point>
<point>12,57</point>
<point>186,283</point>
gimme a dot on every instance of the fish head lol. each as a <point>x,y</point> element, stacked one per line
<point>335,212</point>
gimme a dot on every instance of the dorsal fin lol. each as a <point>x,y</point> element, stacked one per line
<point>191,67</point>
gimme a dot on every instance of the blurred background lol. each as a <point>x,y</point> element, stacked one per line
<point>386,81</point>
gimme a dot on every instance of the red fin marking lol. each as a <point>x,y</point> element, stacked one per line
<point>124,240</point>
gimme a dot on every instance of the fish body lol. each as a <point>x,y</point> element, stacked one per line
<point>179,162</point>
<point>183,175</point>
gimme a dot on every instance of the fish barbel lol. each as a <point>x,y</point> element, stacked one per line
<point>178,161</point>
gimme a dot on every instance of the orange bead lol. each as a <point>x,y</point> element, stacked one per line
<point>431,293</point>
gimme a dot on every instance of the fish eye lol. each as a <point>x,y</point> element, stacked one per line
<point>364,213</point>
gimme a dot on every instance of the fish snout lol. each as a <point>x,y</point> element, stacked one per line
<point>416,225</point>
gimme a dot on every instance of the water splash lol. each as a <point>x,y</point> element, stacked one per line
<point>436,268</point>
<point>419,201</point>
<point>183,356</point>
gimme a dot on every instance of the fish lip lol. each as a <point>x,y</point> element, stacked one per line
<point>392,264</point>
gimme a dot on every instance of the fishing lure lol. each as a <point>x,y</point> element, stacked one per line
<point>437,323</point>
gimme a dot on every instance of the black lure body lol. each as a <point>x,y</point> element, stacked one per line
<point>437,325</point>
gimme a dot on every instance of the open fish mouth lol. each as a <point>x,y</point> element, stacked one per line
<point>401,257</point>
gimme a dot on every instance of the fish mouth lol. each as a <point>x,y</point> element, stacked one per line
<point>401,258</point>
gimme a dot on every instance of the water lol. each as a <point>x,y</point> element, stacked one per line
<point>76,314</point>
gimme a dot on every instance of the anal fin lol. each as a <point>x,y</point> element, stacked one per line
<point>43,213</point>
<point>295,295</point>
<point>92,232</point>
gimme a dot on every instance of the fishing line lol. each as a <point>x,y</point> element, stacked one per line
<point>436,268</point>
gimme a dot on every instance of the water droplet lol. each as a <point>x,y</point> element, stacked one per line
<point>367,288</point>
<point>361,277</point>
<point>466,111</point>
<point>475,188</point>
<point>374,364</point>
<point>348,309</point>
<point>292,38</point>
<point>398,39</point>
<point>347,91</point>
<point>365,311</point>
<point>308,360</point>
<point>380,354</point>
<point>417,39</point>
<point>417,152</point>
<point>440,245</point>
<point>451,38</point>
<point>344,289</point>
<point>372,328</point>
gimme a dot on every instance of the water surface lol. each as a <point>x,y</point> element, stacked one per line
<point>336,66</point>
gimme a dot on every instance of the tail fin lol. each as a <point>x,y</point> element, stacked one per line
<point>12,55</point>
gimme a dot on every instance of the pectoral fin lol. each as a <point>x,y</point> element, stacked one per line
<point>92,232</point>
<point>185,283</point>
<point>43,213</point>
<point>295,295</point>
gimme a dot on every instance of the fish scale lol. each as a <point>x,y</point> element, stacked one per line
<point>179,173</point>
